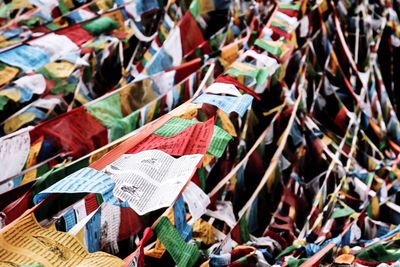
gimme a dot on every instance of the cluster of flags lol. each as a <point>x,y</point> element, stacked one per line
<point>199,133</point>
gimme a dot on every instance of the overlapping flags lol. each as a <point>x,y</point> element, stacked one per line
<point>199,133</point>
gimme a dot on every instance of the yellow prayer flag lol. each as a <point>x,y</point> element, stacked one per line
<point>61,69</point>
<point>7,74</point>
<point>26,242</point>
<point>226,123</point>
<point>33,153</point>
<point>11,93</point>
<point>18,121</point>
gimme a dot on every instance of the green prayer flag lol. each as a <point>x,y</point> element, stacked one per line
<point>201,173</point>
<point>64,89</point>
<point>100,25</point>
<point>48,75</point>
<point>52,26</point>
<point>31,22</point>
<point>286,251</point>
<point>289,6</point>
<point>63,7</point>
<point>296,262</point>
<point>108,112</point>
<point>244,230</point>
<point>124,125</point>
<point>378,253</point>
<point>195,8</point>
<point>5,11</point>
<point>259,74</point>
<point>3,101</point>
<point>339,213</point>
<point>184,255</point>
<point>174,126</point>
<point>269,48</point>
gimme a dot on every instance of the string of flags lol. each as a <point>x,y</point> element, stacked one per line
<point>199,133</point>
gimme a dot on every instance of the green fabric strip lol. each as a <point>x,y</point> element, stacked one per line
<point>378,253</point>
<point>63,7</point>
<point>101,25</point>
<point>108,112</point>
<point>339,213</point>
<point>244,230</point>
<point>259,74</point>
<point>3,101</point>
<point>271,49</point>
<point>195,8</point>
<point>184,255</point>
<point>289,6</point>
